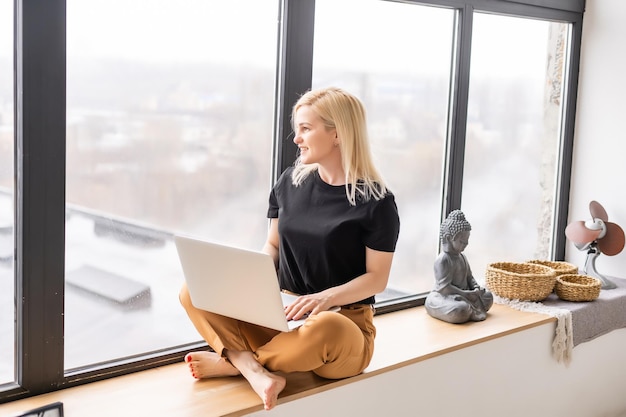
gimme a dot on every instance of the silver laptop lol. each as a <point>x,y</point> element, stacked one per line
<point>234,282</point>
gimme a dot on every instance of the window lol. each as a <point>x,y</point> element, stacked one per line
<point>7,281</point>
<point>405,90</point>
<point>513,137</point>
<point>136,120</point>
<point>169,130</point>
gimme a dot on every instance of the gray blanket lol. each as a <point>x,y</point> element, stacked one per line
<point>595,318</point>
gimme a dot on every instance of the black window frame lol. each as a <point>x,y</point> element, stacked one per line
<point>40,110</point>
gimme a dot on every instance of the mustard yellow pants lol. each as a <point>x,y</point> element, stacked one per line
<point>332,345</point>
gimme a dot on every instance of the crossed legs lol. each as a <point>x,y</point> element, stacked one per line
<point>238,359</point>
<point>329,344</point>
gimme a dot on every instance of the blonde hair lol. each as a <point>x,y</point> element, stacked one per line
<point>345,113</point>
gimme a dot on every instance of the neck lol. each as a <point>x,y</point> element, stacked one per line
<point>332,176</point>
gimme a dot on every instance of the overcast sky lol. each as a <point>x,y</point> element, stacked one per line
<point>382,35</point>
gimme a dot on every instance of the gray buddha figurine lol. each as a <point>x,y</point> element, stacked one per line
<point>457,297</point>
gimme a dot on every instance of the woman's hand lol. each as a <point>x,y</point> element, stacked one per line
<point>307,305</point>
<point>373,281</point>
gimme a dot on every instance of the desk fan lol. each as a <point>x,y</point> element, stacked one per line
<point>596,235</point>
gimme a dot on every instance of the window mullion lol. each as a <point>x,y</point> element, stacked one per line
<point>40,192</point>
<point>295,72</point>
<point>567,141</point>
<point>457,123</point>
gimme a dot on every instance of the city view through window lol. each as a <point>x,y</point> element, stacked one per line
<point>169,130</point>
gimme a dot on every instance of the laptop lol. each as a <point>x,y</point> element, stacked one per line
<point>234,282</point>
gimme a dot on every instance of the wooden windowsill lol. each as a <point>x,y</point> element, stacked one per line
<point>403,338</point>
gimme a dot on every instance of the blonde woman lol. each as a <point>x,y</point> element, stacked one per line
<point>333,231</point>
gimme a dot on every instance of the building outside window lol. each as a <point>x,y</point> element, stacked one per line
<point>169,130</point>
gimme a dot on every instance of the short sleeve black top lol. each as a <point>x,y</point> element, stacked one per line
<point>323,237</point>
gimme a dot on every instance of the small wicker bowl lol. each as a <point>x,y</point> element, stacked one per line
<point>560,267</point>
<point>576,287</point>
<point>520,281</point>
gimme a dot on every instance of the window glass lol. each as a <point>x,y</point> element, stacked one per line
<point>169,130</point>
<point>396,58</point>
<point>7,277</point>
<point>513,131</point>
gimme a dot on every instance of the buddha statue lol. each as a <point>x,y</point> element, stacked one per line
<point>456,297</point>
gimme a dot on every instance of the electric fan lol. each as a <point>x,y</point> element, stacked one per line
<point>596,235</point>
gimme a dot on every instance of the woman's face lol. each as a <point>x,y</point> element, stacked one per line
<point>315,142</point>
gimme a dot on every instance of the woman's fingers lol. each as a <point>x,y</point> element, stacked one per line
<point>304,305</point>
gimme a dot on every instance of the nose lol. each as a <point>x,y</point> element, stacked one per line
<point>296,138</point>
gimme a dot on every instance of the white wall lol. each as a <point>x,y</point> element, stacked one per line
<point>599,166</point>
<point>512,376</point>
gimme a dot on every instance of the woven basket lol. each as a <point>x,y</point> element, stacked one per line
<point>560,267</point>
<point>520,281</point>
<point>576,287</point>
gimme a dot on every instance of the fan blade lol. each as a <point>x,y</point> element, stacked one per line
<point>578,233</point>
<point>597,211</point>
<point>613,242</point>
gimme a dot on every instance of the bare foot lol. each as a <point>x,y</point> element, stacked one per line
<point>266,384</point>
<point>203,364</point>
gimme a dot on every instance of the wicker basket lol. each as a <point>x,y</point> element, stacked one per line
<point>576,287</point>
<point>520,281</point>
<point>560,267</point>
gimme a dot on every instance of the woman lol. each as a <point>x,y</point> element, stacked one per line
<point>333,231</point>
<point>457,297</point>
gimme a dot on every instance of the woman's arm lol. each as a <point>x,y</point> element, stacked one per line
<point>271,244</point>
<point>374,281</point>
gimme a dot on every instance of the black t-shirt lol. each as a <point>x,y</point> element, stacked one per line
<point>323,237</point>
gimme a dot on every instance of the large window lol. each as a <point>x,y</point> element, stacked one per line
<point>169,130</point>
<point>512,133</point>
<point>7,288</point>
<point>135,120</point>
<point>405,90</point>
<point>513,137</point>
